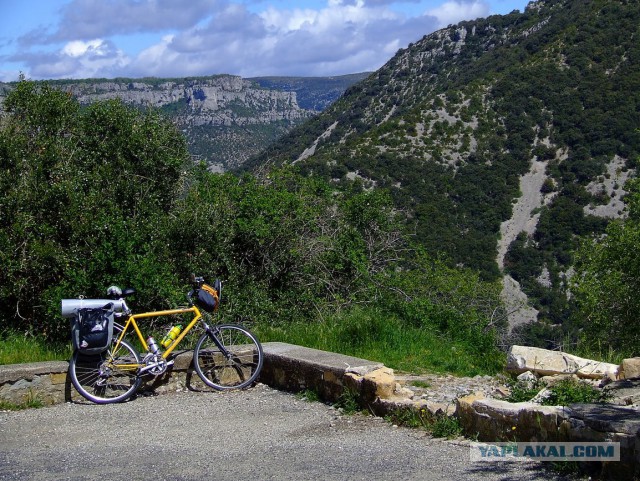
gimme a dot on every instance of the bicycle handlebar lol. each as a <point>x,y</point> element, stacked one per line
<point>196,281</point>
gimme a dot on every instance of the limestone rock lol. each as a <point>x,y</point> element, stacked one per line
<point>551,381</point>
<point>625,392</point>
<point>464,404</point>
<point>402,392</point>
<point>494,420</point>
<point>544,362</point>
<point>527,379</point>
<point>542,396</point>
<point>630,368</point>
<point>380,383</point>
<point>501,392</point>
<point>440,409</point>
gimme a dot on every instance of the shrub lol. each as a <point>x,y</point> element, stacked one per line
<point>571,391</point>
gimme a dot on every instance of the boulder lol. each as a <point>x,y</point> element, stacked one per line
<point>551,381</point>
<point>625,392</point>
<point>630,368</point>
<point>527,379</point>
<point>378,384</point>
<point>546,363</point>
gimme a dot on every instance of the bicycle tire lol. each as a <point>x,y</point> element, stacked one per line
<point>237,370</point>
<point>97,378</point>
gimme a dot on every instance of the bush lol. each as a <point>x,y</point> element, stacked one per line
<point>564,392</point>
<point>83,201</point>
<point>571,391</point>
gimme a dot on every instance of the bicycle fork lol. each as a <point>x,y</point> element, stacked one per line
<point>210,332</point>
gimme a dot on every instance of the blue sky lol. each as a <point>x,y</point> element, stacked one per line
<point>51,39</point>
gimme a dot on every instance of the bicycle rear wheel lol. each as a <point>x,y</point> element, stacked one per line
<point>108,377</point>
<point>228,357</point>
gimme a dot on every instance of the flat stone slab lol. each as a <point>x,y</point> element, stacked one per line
<point>608,418</point>
<point>548,363</point>
<point>321,359</point>
<point>16,372</point>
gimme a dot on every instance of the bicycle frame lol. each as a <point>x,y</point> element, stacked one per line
<point>131,322</point>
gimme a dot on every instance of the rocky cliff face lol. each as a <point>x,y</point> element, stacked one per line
<point>220,100</point>
<point>226,118</point>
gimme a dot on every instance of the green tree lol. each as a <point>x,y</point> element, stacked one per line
<point>607,283</point>
<point>84,195</point>
<point>288,246</point>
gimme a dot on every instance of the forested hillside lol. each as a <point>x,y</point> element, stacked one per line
<point>92,196</point>
<point>451,124</point>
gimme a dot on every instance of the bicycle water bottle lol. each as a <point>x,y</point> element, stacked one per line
<point>153,347</point>
<point>171,335</point>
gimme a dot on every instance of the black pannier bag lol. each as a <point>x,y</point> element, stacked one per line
<point>92,329</point>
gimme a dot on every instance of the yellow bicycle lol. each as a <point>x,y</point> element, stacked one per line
<point>226,356</point>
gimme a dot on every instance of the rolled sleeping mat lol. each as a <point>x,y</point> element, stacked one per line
<point>69,307</point>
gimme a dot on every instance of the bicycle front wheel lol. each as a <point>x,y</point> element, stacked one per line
<point>228,357</point>
<point>108,377</point>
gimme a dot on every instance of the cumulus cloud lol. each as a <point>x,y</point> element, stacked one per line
<point>452,12</point>
<point>86,19</point>
<point>343,37</point>
<point>77,59</point>
<point>204,37</point>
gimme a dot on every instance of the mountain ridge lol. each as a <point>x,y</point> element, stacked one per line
<point>225,118</point>
<point>451,124</point>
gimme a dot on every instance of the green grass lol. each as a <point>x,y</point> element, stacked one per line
<point>365,333</point>
<point>570,391</point>
<point>348,402</point>
<point>372,335</point>
<point>308,395</point>
<point>31,402</point>
<point>440,426</point>
<point>19,349</point>
<point>421,384</point>
<point>565,392</point>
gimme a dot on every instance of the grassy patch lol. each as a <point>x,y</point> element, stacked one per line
<point>565,392</point>
<point>19,349</point>
<point>308,395</point>
<point>522,391</point>
<point>446,427</point>
<point>421,384</point>
<point>440,426</point>
<point>570,391</point>
<point>374,335</point>
<point>348,402</point>
<point>31,401</point>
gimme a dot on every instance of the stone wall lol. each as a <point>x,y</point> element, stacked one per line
<point>296,368</point>
<point>493,420</point>
<point>286,367</point>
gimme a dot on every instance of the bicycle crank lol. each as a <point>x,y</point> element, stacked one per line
<point>156,366</point>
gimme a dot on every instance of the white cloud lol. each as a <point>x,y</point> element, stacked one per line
<point>455,11</point>
<point>8,75</point>
<point>79,59</point>
<point>334,40</point>
<point>86,19</point>
<point>204,37</point>
<point>77,48</point>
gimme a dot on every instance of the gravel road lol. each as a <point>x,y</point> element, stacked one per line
<point>258,434</point>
